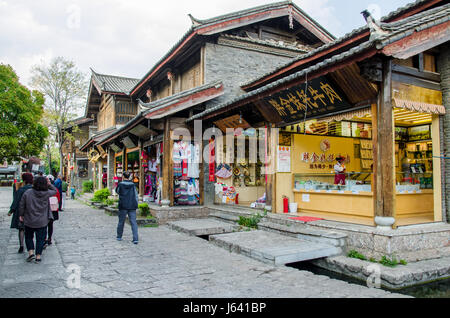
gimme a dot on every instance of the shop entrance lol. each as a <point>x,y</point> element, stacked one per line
<point>240,171</point>
<point>349,198</point>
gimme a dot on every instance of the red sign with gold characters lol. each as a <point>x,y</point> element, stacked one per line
<point>316,98</point>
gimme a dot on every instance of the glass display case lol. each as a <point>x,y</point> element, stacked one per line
<point>355,181</point>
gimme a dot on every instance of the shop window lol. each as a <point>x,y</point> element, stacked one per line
<point>82,169</point>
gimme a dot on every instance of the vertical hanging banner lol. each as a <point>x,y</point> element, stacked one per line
<point>212,159</point>
<point>319,97</point>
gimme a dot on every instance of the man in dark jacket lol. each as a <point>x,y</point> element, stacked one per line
<point>128,203</point>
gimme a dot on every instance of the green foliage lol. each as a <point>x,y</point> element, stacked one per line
<point>109,202</point>
<point>21,134</point>
<point>64,88</point>
<point>101,195</point>
<point>383,261</point>
<point>356,254</point>
<point>252,221</point>
<point>144,209</point>
<point>88,186</point>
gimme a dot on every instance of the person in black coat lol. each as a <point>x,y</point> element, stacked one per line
<point>14,209</point>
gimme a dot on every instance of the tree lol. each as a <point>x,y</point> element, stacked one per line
<point>64,88</point>
<point>21,134</point>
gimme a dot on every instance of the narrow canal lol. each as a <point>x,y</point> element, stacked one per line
<point>438,289</point>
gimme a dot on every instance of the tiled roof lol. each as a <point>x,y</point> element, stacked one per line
<point>114,84</point>
<point>276,44</point>
<point>398,30</point>
<point>338,41</point>
<point>198,24</point>
<point>257,9</point>
<point>173,98</point>
<point>99,136</point>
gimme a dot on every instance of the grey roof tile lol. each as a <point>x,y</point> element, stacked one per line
<point>115,84</point>
<point>339,40</point>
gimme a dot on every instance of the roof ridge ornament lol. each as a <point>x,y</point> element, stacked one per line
<point>375,28</point>
<point>195,22</point>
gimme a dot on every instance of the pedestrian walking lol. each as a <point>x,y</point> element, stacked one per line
<point>128,203</point>
<point>34,212</point>
<point>72,193</point>
<point>54,207</point>
<point>58,185</point>
<point>27,179</point>
<point>64,187</point>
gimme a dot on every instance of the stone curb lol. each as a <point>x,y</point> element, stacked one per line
<point>399,277</point>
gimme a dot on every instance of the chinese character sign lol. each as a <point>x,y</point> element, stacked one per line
<point>319,97</point>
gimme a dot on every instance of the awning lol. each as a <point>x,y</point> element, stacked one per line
<point>419,106</point>
<point>183,100</point>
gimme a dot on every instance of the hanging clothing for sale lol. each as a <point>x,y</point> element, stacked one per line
<point>193,161</point>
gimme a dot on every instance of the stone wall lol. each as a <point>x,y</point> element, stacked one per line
<point>233,66</point>
<point>444,70</point>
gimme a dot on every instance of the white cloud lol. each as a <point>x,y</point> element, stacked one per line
<point>113,36</point>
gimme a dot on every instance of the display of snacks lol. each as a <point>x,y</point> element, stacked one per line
<point>366,144</point>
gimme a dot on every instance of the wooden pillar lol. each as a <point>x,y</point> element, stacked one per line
<point>437,191</point>
<point>166,164</point>
<point>375,158</point>
<point>271,144</point>
<point>141,170</point>
<point>385,153</point>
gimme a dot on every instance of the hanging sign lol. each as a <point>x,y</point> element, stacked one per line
<point>284,159</point>
<point>319,97</point>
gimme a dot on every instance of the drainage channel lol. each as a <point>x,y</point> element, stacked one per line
<point>437,289</point>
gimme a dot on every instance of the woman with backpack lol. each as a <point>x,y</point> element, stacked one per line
<point>34,212</point>
<point>54,202</point>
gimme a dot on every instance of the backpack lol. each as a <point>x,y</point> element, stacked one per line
<point>54,204</point>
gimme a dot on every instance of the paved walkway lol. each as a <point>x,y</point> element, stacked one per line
<point>164,264</point>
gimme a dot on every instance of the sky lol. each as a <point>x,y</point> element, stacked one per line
<point>127,37</point>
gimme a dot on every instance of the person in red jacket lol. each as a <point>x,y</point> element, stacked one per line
<point>55,213</point>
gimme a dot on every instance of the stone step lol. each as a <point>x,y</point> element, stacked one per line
<point>273,248</point>
<point>303,232</point>
<point>230,218</point>
<point>201,227</point>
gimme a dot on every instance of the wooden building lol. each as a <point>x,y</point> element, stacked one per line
<point>373,97</point>
<point>203,69</point>
<point>110,107</point>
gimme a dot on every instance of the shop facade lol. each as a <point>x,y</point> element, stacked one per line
<point>376,104</point>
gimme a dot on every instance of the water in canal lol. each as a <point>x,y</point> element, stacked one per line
<point>438,289</point>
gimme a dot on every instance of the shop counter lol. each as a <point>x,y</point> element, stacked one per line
<point>359,205</point>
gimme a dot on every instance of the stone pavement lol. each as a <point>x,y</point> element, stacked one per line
<point>165,263</point>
